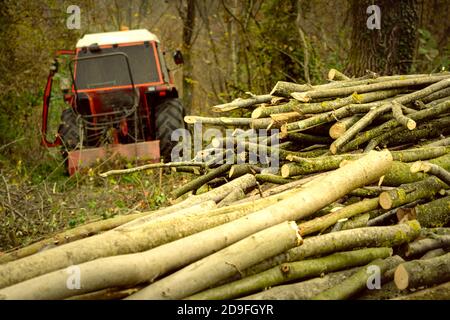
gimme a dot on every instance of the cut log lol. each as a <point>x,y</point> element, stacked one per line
<point>223,264</point>
<point>293,271</point>
<point>433,214</point>
<point>334,74</point>
<point>341,241</point>
<point>339,128</point>
<point>198,182</point>
<point>242,103</point>
<point>402,119</point>
<point>417,273</point>
<point>440,292</point>
<point>152,166</point>
<point>433,169</point>
<point>419,247</point>
<point>330,219</point>
<point>359,281</point>
<point>433,253</point>
<point>221,121</point>
<point>303,290</point>
<point>410,192</point>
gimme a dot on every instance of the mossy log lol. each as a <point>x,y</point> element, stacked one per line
<point>400,173</point>
<point>433,169</point>
<point>357,282</point>
<point>271,178</point>
<point>433,253</point>
<point>439,292</point>
<point>293,271</point>
<point>401,118</point>
<point>343,240</point>
<point>417,273</point>
<point>239,170</point>
<point>423,189</point>
<point>323,222</point>
<point>223,264</point>
<point>419,247</point>
<point>152,166</point>
<point>433,214</point>
<point>358,221</point>
<point>198,182</point>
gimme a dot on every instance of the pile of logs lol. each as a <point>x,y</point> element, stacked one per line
<point>358,208</point>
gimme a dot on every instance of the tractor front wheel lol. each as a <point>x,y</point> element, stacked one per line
<point>169,117</point>
<point>68,130</point>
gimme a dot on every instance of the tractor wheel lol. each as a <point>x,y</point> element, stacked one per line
<point>68,130</point>
<point>169,117</point>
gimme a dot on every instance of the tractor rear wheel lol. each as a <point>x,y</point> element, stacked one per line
<point>169,117</point>
<point>68,130</point>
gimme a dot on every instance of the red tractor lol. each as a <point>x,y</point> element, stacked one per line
<point>122,99</point>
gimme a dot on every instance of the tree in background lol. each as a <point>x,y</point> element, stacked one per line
<point>389,49</point>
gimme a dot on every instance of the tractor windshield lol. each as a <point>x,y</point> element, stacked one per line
<point>112,71</point>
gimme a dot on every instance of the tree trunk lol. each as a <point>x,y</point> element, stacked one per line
<point>188,17</point>
<point>388,50</point>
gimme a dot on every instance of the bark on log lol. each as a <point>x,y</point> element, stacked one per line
<point>221,121</point>
<point>410,192</point>
<point>303,290</point>
<point>198,182</point>
<point>419,247</point>
<point>433,214</point>
<point>357,282</point>
<point>433,253</point>
<point>330,219</point>
<point>339,128</point>
<point>417,273</point>
<point>439,292</point>
<point>343,240</point>
<point>334,74</point>
<point>223,264</point>
<point>433,169</point>
<point>242,103</point>
<point>401,118</point>
<point>152,166</point>
<point>271,178</point>
<point>239,170</point>
<point>293,271</point>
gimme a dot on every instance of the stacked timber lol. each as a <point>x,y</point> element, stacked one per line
<point>357,207</point>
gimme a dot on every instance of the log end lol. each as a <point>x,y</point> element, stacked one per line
<point>331,74</point>
<point>333,148</point>
<point>411,124</point>
<point>301,96</point>
<point>385,200</point>
<point>285,171</point>
<point>257,113</point>
<point>337,130</point>
<point>401,277</point>
<point>189,119</point>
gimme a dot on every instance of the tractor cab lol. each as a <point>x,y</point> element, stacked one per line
<point>121,97</point>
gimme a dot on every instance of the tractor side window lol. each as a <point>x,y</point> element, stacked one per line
<point>105,70</point>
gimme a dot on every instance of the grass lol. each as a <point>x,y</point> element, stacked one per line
<point>40,200</point>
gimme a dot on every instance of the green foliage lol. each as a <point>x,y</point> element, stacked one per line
<point>430,55</point>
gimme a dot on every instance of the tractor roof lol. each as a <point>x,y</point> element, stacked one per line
<point>117,37</point>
